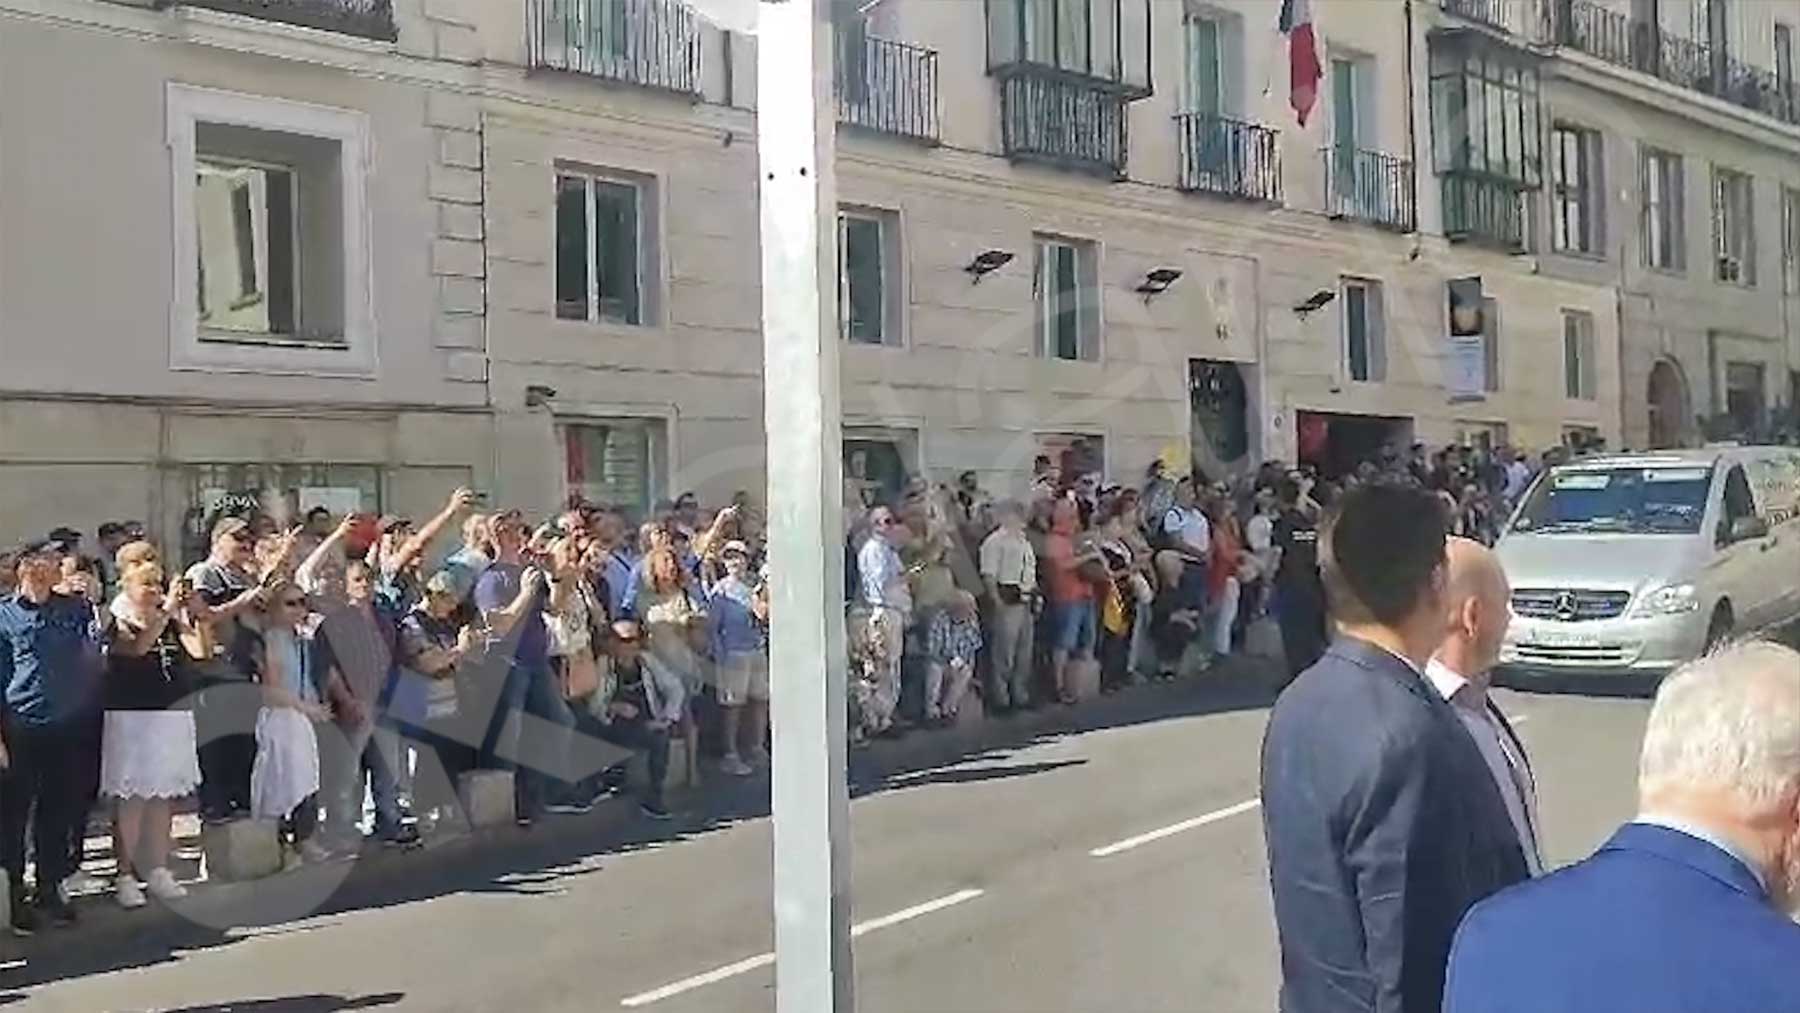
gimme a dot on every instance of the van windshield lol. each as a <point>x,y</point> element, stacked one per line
<point>1669,501</point>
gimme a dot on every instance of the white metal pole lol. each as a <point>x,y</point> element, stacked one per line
<point>795,128</point>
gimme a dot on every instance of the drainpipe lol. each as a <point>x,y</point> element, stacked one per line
<point>1412,129</point>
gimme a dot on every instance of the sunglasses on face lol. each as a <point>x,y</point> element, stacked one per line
<point>293,603</point>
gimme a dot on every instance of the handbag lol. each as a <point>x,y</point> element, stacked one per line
<point>1112,612</point>
<point>1010,594</point>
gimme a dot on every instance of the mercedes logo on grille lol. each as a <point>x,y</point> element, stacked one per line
<point>1565,606</point>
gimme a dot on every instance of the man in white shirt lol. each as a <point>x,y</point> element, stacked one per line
<point>1479,606</point>
<point>1518,477</point>
<point>879,621</point>
<point>1009,572</point>
<point>1186,526</point>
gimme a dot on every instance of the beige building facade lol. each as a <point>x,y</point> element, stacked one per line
<point>514,244</point>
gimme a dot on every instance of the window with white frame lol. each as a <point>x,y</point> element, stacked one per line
<point>1066,286</point>
<point>871,298</point>
<point>1662,205</point>
<point>605,254</point>
<point>1578,194</point>
<point>271,240</point>
<point>1578,355</point>
<point>1734,227</point>
<point>1365,330</point>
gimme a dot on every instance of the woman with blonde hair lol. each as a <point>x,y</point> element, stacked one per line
<point>149,755</point>
<point>284,783</point>
<point>674,622</point>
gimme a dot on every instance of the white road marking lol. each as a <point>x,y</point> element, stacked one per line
<point>762,960</point>
<point>1521,719</point>
<point>1175,828</point>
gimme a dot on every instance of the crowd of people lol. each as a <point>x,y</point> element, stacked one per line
<point>304,676</point>
<point>326,677</point>
<point>1022,601</point>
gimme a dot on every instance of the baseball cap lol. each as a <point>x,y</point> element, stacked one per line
<point>229,526</point>
<point>66,535</point>
<point>390,523</point>
<point>441,582</point>
<point>37,549</point>
<point>735,546</point>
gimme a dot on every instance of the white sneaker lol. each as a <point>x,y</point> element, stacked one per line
<point>162,885</point>
<point>128,893</point>
<point>735,767</point>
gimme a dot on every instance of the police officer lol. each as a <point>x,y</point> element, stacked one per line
<point>1300,592</point>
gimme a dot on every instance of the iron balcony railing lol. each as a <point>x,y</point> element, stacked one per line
<point>1482,209</point>
<point>1370,186</point>
<point>1065,122</point>
<point>887,86</point>
<point>369,19</point>
<point>1229,157</point>
<point>652,43</point>
<point>1517,17</point>
<point>1644,46</point>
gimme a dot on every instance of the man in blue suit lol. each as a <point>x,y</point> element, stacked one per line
<point>1382,821</point>
<point>1687,909</point>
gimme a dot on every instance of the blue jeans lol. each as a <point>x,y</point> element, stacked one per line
<point>538,757</point>
<point>351,756</point>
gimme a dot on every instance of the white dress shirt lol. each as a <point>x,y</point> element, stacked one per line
<point>1504,754</point>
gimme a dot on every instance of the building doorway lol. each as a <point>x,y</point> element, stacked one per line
<point>1335,444</point>
<point>1218,415</point>
<point>878,463</point>
<point>1668,400</point>
<point>1746,399</point>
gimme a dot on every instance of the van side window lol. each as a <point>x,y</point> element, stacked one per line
<point>1739,503</point>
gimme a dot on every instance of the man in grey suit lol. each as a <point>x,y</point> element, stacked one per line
<point>1382,822</point>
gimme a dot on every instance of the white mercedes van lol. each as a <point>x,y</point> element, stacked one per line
<point>1636,563</point>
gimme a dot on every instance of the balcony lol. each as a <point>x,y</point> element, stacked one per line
<point>649,43</point>
<point>1370,186</point>
<point>1647,48</point>
<point>368,19</point>
<point>888,87</point>
<point>1230,158</point>
<point>1061,122</point>
<point>1521,18</point>
<point>1484,210</point>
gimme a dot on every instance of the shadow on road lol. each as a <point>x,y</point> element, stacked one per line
<point>534,862</point>
<point>299,1004</point>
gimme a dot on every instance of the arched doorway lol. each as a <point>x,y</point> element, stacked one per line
<point>1668,401</point>
<point>1218,408</point>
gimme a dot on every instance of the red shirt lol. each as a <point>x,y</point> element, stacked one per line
<point>1065,583</point>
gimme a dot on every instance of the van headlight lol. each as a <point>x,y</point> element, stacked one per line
<point>1672,600</point>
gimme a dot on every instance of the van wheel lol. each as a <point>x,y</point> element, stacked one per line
<point>1719,630</point>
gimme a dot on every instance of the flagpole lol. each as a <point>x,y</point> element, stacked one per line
<point>796,126</point>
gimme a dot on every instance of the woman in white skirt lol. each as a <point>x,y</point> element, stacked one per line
<point>148,758</point>
<point>284,784</point>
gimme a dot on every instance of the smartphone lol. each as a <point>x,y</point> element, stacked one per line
<point>480,495</point>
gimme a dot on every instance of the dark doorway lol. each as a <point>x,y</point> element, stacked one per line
<point>876,468</point>
<point>1668,398</point>
<point>1218,410</point>
<point>1336,444</point>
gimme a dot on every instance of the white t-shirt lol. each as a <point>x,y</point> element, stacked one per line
<point>1518,476</point>
<point>1187,525</point>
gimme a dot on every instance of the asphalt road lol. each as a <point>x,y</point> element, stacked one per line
<point>1118,867</point>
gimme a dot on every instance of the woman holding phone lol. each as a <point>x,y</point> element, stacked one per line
<point>149,756</point>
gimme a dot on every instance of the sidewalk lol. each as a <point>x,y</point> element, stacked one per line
<point>221,913</point>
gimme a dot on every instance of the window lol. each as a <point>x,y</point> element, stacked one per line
<point>1790,238</point>
<point>1734,227</point>
<point>1746,400</point>
<point>870,296</point>
<point>1365,330</point>
<point>283,492</point>
<point>272,253</point>
<point>1490,342</point>
<point>1664,227</point>
<point>1204,82</point>
<point>1484,108</point>
<point>245,229</point>
<point>1784,63</point>
<point>1351,103</point>
<point>601,253</point>
<point>1057,32</point>
<point>1065,284</point>
<point>1578,193</point>
<point>1578,355</point>
<point>620,462</point>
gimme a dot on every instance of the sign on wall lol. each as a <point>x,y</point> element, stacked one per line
<point>1465,361</point>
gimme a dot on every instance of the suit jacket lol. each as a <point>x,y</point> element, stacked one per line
<point>1655,922</point>
<point>1383,827</point>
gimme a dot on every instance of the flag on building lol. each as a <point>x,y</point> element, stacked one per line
<point>1303,56</point>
